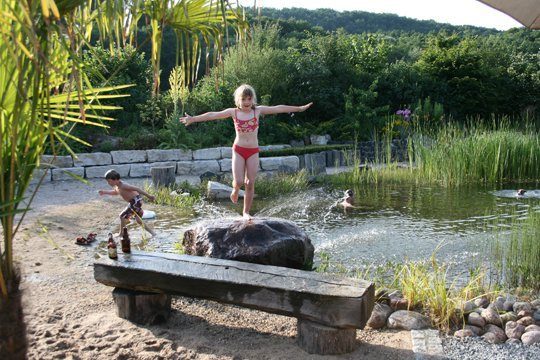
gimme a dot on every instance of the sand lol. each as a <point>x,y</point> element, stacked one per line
<point>71,316</point>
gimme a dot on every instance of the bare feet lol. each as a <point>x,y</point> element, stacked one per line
<point>247,217</point>
<point>234,195</point>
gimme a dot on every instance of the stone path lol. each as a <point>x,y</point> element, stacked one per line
<point>426,344</point>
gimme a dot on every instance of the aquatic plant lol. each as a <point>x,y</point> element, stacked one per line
<point>516,252</point>
<point>172,196</point>
<point>281,184</point>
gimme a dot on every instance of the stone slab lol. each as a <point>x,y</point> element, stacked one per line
<point>56,162</point>
<point>143,170</point>
<point>67,173</point>
<point>99,171</point>
<point>93,159</point>
<point>156,155</point>
<point>207,154</point>
<point>128,156</point>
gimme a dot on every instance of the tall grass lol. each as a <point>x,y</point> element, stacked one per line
<point>281,184</point>
<point>454,155</point>
<point>517,254</point>
<point>478,154</point>
<point>425,285</point>
<point>165,196</point>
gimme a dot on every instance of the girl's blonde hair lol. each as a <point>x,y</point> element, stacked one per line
<point>243,91</point>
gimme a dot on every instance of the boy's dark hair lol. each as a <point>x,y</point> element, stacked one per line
<point>112,175</point>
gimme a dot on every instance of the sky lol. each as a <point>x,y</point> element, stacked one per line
<point>456,12</point>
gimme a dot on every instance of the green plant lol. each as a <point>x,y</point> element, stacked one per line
<point>517,253</point>
<point>282,184</point>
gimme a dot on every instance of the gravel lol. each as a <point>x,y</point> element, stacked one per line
<point>477,349</point>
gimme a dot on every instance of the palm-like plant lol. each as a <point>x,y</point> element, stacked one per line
<point>44,93</point>
<point>41,96</point>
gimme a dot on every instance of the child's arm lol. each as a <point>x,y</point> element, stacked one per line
<point>139,190</point>
<point>278,109</point>
<point>108,192</point>
<point>213,115</point>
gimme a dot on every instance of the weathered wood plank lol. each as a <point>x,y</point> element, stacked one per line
<point>332,301</point>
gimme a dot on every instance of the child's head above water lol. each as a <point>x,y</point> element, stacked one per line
<point>243,92</point>
<point>349,193</point>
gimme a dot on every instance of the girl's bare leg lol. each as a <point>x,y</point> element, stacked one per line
<point>238,169</point>
<point>252,166</point>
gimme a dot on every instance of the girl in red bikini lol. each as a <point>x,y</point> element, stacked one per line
<point>245,158</point>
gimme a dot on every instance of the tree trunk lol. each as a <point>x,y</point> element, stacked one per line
<point>163,176</point>
<point>13,344</point>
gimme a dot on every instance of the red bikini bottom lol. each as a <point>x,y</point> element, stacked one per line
<point>244,151</point>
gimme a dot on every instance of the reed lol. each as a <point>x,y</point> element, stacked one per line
<point>281,184</point>
<point>516,252</point>
<point>172,196</point>
<point>478,154</point>
<point>454,156</point>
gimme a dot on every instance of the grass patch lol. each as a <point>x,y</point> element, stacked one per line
<point>281,184</point>
<point>165,195</point>
<point>517,253</point>
<point>425,285</point>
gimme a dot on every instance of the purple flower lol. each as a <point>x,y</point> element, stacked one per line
<point>406,113</point>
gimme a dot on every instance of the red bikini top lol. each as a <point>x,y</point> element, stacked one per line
<point>245,126</point>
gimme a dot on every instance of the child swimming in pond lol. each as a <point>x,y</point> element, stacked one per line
<point>348,199</point>
<point>245,156</point>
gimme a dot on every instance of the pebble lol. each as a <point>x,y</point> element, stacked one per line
<point>474,348</point>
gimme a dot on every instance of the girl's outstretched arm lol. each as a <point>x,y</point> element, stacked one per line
<point>213,115</point>
<point>265,110</point>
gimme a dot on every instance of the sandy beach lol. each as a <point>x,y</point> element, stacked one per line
<point>71,316</point>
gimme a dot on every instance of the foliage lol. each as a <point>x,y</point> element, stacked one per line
<point>105,67</point>
<point>42,100</point>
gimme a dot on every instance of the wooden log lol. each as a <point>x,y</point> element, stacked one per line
<point>142,307</point>
<point>324,340</point>
<point>334,301</point>
<point>163,176</point>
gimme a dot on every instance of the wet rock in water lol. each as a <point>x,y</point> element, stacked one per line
<point>267,241</point>
<point>498,333</point>
<point>379,315</point>
<point>514,330</point>
<point>522,305</point>
<point>531,337</point>
<point>536,304</point>
<point>491,316</point>
<point>408,320</point>
<point>464,333</point>
<point>476,320</point>
<point>526,321</point>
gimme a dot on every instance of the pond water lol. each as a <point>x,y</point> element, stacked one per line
<point>390,223</point>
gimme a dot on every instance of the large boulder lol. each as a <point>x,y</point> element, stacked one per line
<point>267,241</point>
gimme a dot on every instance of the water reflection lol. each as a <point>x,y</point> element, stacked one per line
<point>393,222</point>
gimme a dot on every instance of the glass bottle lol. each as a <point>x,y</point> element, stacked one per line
<point>111,247</point>
<point>126,242</point>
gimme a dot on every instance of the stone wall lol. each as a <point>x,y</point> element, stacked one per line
<point>137,163</point>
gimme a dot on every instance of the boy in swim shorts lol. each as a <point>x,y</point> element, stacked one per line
<point>132,195</point>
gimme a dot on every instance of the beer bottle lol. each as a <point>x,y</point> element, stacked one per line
<point>126,242</point>
<point>111,247</point>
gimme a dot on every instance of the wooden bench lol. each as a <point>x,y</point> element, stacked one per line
<point>329,309</point>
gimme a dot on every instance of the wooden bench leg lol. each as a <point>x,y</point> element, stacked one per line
<point>142,307</point>
<point>324,340</point>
